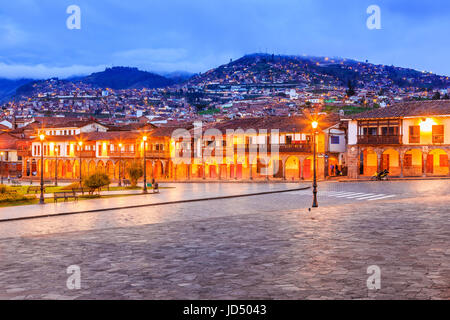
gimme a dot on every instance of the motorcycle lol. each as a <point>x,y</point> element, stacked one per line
<point>379,176</point>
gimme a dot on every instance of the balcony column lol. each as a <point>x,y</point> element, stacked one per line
<point>401,155</point>
<point>424,164</point>
<point>24,167</point>
<point>379,161</point>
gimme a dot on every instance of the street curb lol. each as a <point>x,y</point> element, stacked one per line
<point>154,204</point>
<point>397,179</point>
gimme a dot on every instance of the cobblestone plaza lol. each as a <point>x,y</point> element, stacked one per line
<point>243,248</point>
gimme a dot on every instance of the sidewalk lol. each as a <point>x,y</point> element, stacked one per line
<point>166,196</point>
<point>344,179</point>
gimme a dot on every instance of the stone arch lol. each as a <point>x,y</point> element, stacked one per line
<point>333,163</point>
<point>92,167</point>
<point>413,163</point>
<point>109,169</point>
<point>292,168</point>
<point>158,169</point>
<point>308,167</point>
<point>84,168</point>
<point>46,168</point>
<point>438,165</point>
<point>149,169</point>
<point>69,173</point>
<point>61,169</point>
<point>100,166</point>
<point>368,162</point>
<point>390,160</point>
<point>182,171</point>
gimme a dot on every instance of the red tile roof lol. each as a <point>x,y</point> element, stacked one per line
<point>406,109</point>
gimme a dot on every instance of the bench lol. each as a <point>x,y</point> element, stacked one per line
<point>66,195</point>
<point>15,183</point>
<point>36,189</point>
<point>80,190</point>
<point>126,182</point>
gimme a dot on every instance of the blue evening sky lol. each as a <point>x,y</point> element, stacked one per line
<point>196,35</point>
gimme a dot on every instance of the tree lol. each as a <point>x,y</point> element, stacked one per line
<point>135,171</point>
<point>351,90</point>
<point>437,95</point>
<point>96,181</point>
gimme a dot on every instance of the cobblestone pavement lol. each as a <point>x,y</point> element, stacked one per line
<point>290,254</point>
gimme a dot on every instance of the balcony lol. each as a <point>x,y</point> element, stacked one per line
<point>85,154</point>
<point>295,148</point>
<point>379,140</point>
<point>123,154</point>
<point>24,153</point>
<point>158,154</point>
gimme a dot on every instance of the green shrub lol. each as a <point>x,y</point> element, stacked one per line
<point>13,197</point>
<point>96,181</point>
<point>3,189</point>
<point>135,171</point>
<point>74,185</point>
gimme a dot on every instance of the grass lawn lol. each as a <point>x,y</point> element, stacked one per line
<point>52,189</point>
<point>50,200</point>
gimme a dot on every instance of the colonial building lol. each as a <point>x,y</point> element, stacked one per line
<point>12,149</point>
<point>408,139</point>
<point>261,148</point>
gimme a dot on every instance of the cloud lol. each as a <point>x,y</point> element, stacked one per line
<point>40,71</point>
<point>167,59</point>
<point>11,35</point>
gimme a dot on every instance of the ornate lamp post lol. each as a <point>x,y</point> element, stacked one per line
<point>120,164</point>
<point>1,164</point>
<point>144,139</point>
<point>41,199</point>
<point>314,125</point>
<point>80,144</point>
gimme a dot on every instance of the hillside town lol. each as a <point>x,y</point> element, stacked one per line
<point>253,86</point>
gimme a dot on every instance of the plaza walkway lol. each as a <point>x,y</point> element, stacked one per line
<point>171,193</point>
<point>242,249</point>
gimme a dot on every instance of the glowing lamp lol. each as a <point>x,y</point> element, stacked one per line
<point>314,124</point>
<point>426,125</point>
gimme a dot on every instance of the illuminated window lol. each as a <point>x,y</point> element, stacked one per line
<point>414,134</point>
<point>438,134</point>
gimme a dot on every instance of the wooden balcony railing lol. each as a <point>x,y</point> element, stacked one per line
<point>85,154</point>
<point>368,139</point>
<point>301,147</point>
<point>123,154</point>
<point>158,154</point>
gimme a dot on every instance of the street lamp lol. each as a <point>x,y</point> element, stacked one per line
<point>120,164</point>
<point>41,199</point>
<point>80,144</point>
<point>314,125</point>
<point>144,138</point>
<point>1,164</point>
